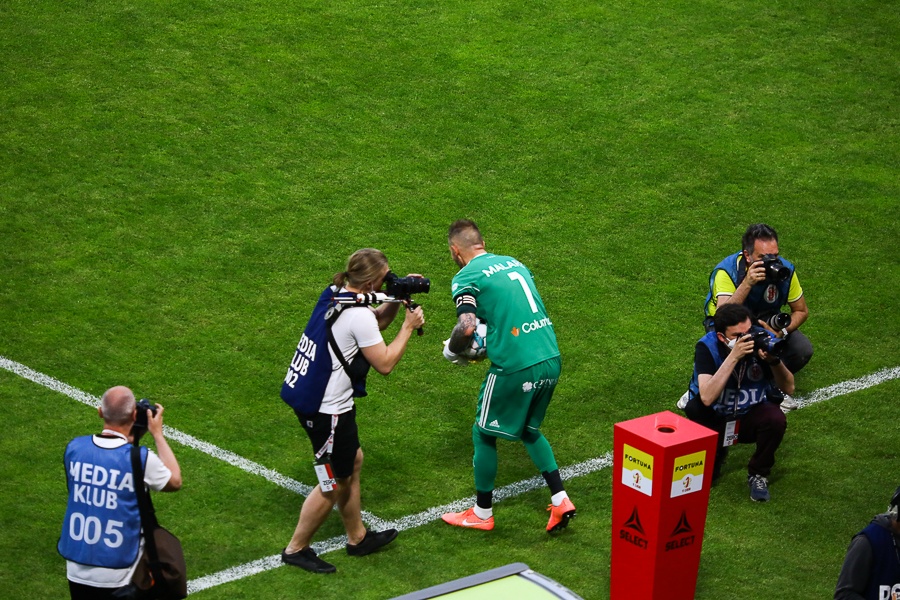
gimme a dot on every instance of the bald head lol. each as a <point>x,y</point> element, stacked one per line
<point>117,406</point>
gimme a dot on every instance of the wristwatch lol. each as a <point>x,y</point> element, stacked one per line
<point>784,333</point>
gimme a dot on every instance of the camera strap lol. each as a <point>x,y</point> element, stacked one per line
<point>333,343</point>
<point>741,371</point>
<point>732,427</point>
<point>741,269</point>
<point>357,376</point>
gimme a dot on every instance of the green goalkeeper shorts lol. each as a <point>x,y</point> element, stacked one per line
<point>510,402</point>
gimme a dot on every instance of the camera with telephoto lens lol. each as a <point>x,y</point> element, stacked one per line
<point>778,321</point>
<point>140,421</point>
<point>776,271</point>
<point>763,340</point>
<point>404,287</point>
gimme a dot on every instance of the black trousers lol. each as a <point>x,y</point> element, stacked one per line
<point>79,591</point>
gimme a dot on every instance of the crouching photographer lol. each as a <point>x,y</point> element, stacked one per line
<point>733,391</point>
<point>762,280</point>
<point>341,341</point>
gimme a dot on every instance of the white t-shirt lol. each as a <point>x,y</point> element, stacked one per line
<point>156,476</point>
<point>356,328</point>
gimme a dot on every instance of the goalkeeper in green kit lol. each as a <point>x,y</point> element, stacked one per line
<point>524,371</point>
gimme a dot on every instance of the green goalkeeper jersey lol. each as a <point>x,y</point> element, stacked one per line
<point>519,331</point>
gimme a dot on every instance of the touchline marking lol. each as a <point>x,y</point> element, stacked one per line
<point>509,491</point>
<point>847,387</point>
<point>179,436</point>
<point>410,521</point>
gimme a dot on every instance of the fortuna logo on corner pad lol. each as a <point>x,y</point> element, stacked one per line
<point>687,474</point>
<point>637,470</point>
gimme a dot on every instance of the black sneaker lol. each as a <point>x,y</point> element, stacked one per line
<point>308,560</point>
<point>372,542</point>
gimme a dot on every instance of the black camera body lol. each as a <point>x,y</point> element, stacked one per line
<point>763,340</point>
<point>140,420</point>
<point>776,271</point>
<point>404,287</point>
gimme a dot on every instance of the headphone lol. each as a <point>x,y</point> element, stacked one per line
<point>894,506</point>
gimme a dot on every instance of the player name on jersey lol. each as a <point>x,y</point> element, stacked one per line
<point>496,268</point>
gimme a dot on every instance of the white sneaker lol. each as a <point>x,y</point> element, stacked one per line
<point>789,404</point>
<point>682,402</point>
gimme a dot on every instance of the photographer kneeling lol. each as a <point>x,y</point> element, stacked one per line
<point>733,373</point>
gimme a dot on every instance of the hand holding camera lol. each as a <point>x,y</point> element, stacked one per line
<point>415,318</point>
<point>763,343</point>
<point>743,346</point>
<point>148,417</point>
<point>402,288</point>
<point>768,268</point>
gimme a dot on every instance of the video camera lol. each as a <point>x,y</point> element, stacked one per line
<point>140,422</point>
<point>776,271</point>
<point>404,287</point>
<point>397,289</point>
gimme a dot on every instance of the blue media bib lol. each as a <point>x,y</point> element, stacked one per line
<point>102,527</point>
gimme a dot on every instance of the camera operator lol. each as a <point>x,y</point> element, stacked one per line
<point>761,280</point>
<point>101,534</point>
<point>871,568</point>
<point>729,391</point>
<point>333,430</point>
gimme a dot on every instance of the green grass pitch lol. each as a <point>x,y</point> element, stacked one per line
<point>179,180</point>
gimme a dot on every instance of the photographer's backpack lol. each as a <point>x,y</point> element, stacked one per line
<point>311,368</point>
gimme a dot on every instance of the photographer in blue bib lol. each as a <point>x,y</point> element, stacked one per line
<point>763,281</point>
<point>736,367</point>
<point>101,534</point>
<point>871,569</point>
<point>327,412</point>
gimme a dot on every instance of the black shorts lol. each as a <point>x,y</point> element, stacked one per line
<point>346,439</point>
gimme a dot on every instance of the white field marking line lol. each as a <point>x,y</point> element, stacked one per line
<point>404,523</point>
<point>408,522</point>
<point>846,387</point>
<point>179,436</point>
<point>509,491</point>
